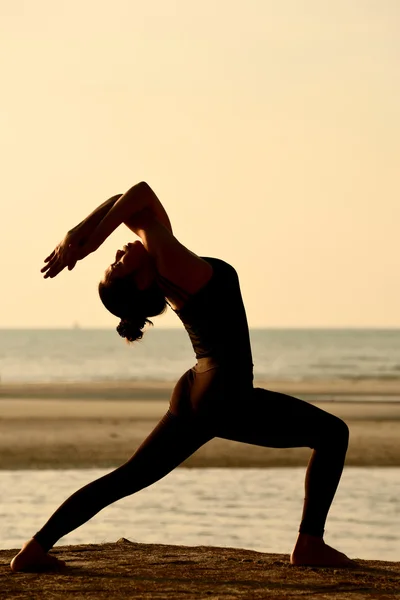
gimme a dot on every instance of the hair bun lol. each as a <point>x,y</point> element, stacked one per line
<point>131,330</point>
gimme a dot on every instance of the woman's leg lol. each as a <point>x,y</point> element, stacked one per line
<point>173,440</point>
<point>276,420</point>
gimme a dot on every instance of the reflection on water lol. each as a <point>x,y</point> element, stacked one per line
<point>257,509</point>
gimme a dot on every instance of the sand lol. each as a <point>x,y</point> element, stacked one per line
<point>150,571</point>
<point>101,425</point>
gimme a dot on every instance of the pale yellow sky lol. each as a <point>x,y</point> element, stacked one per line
<point>270,131</point>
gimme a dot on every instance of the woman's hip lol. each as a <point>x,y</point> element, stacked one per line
<point>207,390</point>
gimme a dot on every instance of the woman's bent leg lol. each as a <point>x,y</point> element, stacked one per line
<point>276,420</point>
<point>170,443</point>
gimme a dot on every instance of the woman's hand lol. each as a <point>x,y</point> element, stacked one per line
<point>79,242</point>
<point>72,248</point>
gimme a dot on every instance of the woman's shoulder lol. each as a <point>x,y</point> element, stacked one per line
<point>174,261</point>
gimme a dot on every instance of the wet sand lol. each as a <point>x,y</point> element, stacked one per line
<point>101,425</point>
<point>144,571</point>
<point>357,389</point>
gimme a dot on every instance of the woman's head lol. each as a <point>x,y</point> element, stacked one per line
<point>129,290</point>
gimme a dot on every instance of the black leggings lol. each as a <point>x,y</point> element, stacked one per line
<point>209,402</point>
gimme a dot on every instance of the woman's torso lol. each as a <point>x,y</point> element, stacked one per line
<point>205,294</point>
<point>215,318</point>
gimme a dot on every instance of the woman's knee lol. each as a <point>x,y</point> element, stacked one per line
<point>336,432</point>
<point>343,431</point>
<point>331,432</point>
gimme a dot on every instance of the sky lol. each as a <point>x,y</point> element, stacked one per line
<point>269,130</point>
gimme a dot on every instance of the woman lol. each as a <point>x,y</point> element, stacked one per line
<point>215,398</point>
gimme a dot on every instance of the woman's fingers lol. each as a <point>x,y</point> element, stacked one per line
<point>72,264</point>
<point>57,265</point>
<point>50,267</point>
<point>50,263</point>
<point>46,267</point>
<point>61,257</point>
<point>50,256</point>
<point>55,270</point>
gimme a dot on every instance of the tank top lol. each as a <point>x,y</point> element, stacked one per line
<point>215,318</point>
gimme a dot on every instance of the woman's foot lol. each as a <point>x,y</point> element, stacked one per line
<point>312,551</point>
<point>32,557</point>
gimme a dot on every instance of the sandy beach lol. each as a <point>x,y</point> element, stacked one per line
<point>142,571</point>
<point>101,425</point>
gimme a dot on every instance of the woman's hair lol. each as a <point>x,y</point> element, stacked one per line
<point>123,299</point>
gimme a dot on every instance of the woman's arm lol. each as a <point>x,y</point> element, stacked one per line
<point>86,237</point>
<point>88,225</point>
<point>65,253</point>
<point>134,201</point>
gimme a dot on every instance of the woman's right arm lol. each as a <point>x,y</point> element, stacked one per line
<point>86,237</point>
<point>138,198</point>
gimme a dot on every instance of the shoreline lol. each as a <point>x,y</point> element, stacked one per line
<point>133,570</point>
<point>61,427</point>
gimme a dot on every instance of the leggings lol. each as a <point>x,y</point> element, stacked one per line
<point>210,401</point>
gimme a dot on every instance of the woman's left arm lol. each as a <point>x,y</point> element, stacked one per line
<point>65,253</point>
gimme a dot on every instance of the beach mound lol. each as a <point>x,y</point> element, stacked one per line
<point>131,570</point>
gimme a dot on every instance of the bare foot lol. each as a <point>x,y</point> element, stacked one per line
<point>32,557</point>
<point>312,551</point>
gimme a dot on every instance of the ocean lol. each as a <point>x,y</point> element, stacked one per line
<point>259,509</point>
<point>90,355</point>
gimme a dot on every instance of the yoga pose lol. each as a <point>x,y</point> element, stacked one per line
<point>215,398</point>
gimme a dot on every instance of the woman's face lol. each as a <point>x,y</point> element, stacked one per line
<point>133,260</point>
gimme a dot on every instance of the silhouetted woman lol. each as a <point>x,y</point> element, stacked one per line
<point>215,398</point>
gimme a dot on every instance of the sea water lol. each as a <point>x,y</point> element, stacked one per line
<point>257,509</point>
<point>89,355</point>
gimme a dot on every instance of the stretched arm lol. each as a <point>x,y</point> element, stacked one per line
<point>88,225</point>
<point>65,253</point>
<point>88,235</point>
<point>137,198</point>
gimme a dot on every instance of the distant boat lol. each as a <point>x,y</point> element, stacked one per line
<point>75,325</point>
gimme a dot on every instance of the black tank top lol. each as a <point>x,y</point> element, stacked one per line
<point>215,318</point>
